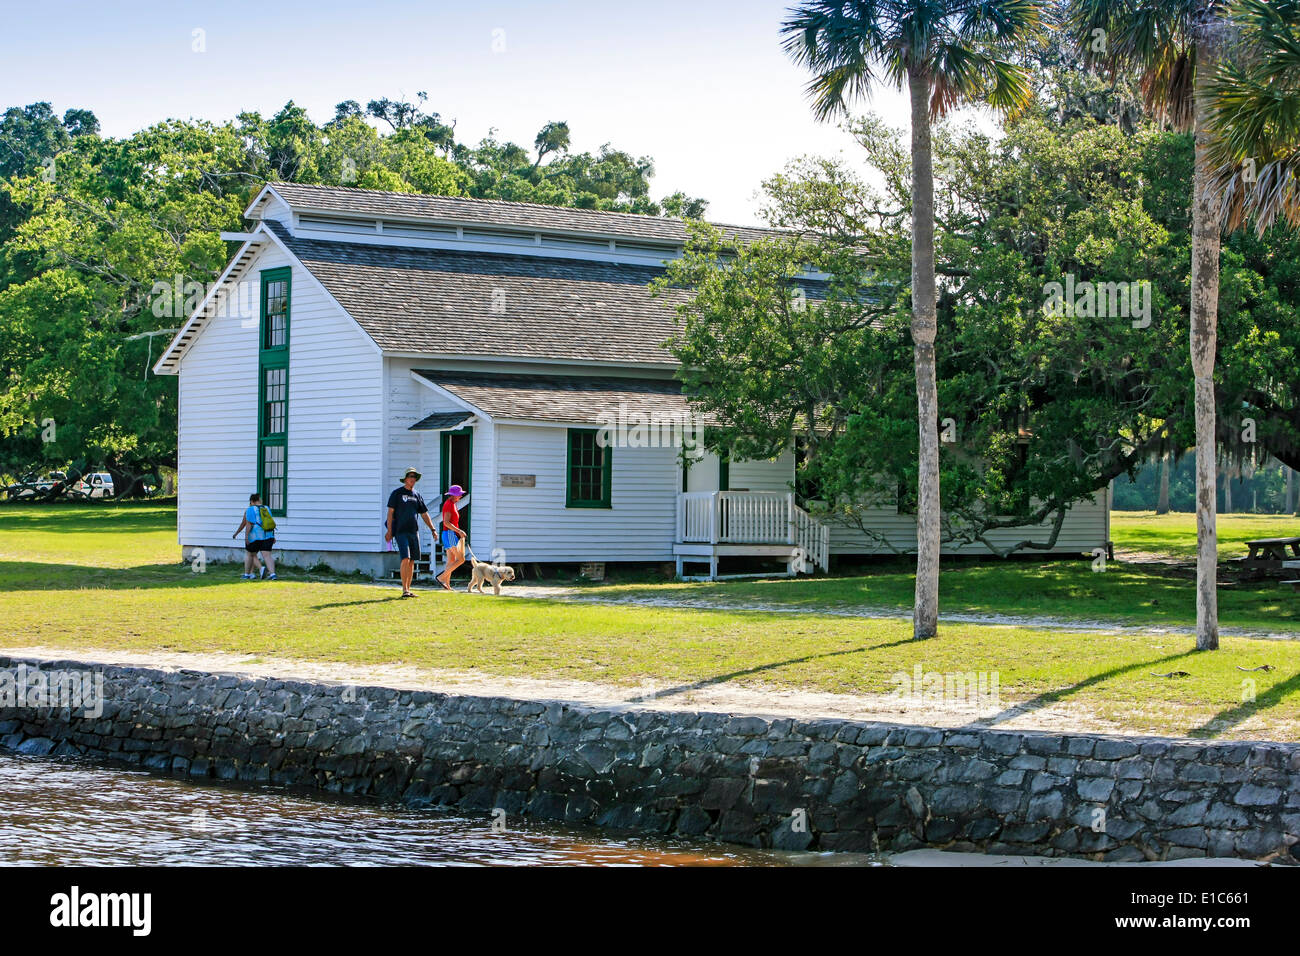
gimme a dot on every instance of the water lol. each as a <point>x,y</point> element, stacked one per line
<point>74,813</point>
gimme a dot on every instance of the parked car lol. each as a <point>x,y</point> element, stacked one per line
<point>31,487</point>
<point>97,484</point>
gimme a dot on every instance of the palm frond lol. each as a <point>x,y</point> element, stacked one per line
<point>1254,116</point>
<point>840,44</point>
<point>964,47</point>
<point>1264,195</point>
<point>1155,41</point>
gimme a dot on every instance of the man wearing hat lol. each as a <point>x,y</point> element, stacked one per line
<point>453,539</point>
<point>405,506</point>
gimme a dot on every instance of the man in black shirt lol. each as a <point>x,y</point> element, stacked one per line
<point>405,506</point>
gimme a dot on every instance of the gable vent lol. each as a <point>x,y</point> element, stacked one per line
<point>419,232</point>
<point>556,242</point>
<point>326,224</point>
<point>494,235</point>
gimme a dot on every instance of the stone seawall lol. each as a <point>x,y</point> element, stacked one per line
<point>770,782</point>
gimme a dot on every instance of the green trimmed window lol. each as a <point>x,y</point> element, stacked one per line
<point>275,309</point>
<point>273,391</point>
<point>588,470</point>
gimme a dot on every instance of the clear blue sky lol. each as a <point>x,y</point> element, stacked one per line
<point>701,86</point>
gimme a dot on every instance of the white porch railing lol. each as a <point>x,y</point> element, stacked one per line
<point>751,517</point>
<point>812,536</point>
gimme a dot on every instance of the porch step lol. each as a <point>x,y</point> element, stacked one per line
<point>422,567</point>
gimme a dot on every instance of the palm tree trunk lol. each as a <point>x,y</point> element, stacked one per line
<point>1162,503</point>
<point>925,616</point>
<point>1204,341</point>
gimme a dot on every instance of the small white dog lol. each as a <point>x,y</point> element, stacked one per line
<point>494,573</point>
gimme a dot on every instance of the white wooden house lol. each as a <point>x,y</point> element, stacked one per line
<point>485,343</point>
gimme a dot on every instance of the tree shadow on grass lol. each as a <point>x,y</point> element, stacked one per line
<point>1225,720</point>
<point>1050,697</point>
<point>775,665</point>
<point>42,576</point>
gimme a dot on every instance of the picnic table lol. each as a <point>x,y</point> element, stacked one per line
<point>1272,551</point>
<point>1270,554</point>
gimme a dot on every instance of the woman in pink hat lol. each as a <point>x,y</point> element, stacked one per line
<point>453,539</point>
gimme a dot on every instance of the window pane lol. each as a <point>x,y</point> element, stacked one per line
<point>277,313</point>
<point>273,476</point>
<point>586,468</point>
<point>275,401</point>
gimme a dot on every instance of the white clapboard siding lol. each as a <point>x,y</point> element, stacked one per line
<point>274,208</point>
<point>335,428</point>
<point>533,524</point>
<point>1085,528</point>
<point>217,431</point>
<point>403,403</point>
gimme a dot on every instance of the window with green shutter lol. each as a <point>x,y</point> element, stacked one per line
<point>588,470</point>
<point>273,391</point>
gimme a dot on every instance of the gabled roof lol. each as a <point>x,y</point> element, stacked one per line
<point>564,398</point>
<point>461,302</point>
<point>489,212</point>
<point>451,303</point>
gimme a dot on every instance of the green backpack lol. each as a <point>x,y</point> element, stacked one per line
<point>264,518</point>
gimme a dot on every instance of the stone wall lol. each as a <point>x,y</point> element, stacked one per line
<point>771,782</point>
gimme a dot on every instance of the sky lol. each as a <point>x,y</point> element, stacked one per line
<point>701,87</point>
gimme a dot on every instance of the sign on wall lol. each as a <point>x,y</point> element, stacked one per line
<point>518,481</point>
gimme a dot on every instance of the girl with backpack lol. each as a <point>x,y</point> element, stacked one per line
<point>259,540</point>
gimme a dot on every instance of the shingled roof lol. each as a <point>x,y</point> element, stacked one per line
<point>448,302</point>
<point>497,213</point>
<point>564,398</point>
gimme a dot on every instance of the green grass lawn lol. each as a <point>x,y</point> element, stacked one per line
<point>108,576</point>
<point>1127,592</point>
<point>1173,536</point>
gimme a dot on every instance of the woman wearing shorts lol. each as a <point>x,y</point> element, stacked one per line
<point>257,542</point>
<point>453,539</point>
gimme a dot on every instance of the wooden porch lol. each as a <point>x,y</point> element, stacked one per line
<point>766,524</point>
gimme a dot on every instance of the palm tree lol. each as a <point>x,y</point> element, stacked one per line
<point>1255,116</point>
<point>1174,46</point>
<point>943,52</point>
